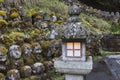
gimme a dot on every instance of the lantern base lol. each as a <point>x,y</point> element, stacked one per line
<point>74,77</point>
<point>74,70</point>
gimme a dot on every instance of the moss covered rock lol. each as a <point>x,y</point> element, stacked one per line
<point>2,76</point>
<point>26,71</point>
<point>13,74</point>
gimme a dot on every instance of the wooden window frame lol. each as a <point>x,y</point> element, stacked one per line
<point>73,43</point>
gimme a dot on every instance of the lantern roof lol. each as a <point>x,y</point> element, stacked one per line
<point>75,29</point>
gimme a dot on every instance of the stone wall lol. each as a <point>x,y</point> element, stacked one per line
<point>111,43</point>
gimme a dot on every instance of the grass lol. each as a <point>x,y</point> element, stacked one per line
<point>58,77</point>
<point>108,52</point>
<point>55,75</point>
<point>95,58</point>
<point>49,6</point>
<point>96,24</point>
<point>103,53</point>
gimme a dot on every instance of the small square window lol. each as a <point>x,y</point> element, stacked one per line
<point>73,49</point>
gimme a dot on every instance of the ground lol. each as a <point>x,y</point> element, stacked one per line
<point>100,72</point>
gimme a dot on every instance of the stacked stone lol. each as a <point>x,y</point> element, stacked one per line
<point>28,43</point>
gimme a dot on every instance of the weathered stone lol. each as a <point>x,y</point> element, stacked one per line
<point>13,74</point>
<point>74,67</point>
<point>74,34</point>
<point>74,77</point>
<point>49,65</point>
<point>27,49</point>
<point>38,68</point>
<point>36,48</point>
<point>15,51</point>
<point>26,71</point>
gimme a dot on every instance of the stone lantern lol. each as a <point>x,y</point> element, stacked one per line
<point>74,62</point>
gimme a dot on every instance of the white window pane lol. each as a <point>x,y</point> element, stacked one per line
<point>69,45</point>
<point>69,53</point>
<point>77,45</point>
<point>77,53</point>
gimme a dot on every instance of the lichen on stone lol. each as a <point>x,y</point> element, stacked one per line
<point>3,50</point>
<point>2,13</point>
<point>2,76</point>
<point>3,23</point>
<point>14,15</point>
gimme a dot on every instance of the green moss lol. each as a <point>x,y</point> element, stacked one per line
<point>2,13</point>
<point>29,60</point>
<point>45,44</point>
<point>1,1</point>
<point>108,52</point>
<point>13,71</point>
<point>35,33</point>
<point>26,45</point>
<point>95,58</point>
<point>35,44</point>
<point>17,23</point>
<point>3,50</point>
<point>59,21</point>
<point>2,76</point>
<point>3,23</point>
<point>32,13</point>
<point>38,17</point>
<point>14,15</point>
<point>14,35</point>
<point>13,9</point>
<point>34,78</point>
